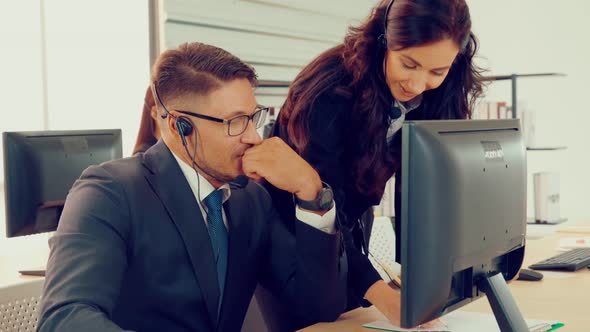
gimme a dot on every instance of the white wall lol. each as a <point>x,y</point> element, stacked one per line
<point>529,36</point>
<point>98,65</point>
<point>21,92</point>
<point>97,57</point>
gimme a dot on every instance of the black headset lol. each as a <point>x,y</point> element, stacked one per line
<point>383,37</point>
<point>184,126</point>
<point>395,112</point>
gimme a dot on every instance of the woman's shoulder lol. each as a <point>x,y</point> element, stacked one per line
<point>335,102</point>
<point>336,96</point>
<point>330,109</point>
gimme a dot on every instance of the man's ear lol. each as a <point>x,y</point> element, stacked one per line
<point>154,113</point>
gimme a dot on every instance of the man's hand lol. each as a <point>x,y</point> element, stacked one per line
<point>276,162</point>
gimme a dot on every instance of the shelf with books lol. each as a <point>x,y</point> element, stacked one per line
<point>513,78</point>
<point>545,148</point>
<point>551,193</point>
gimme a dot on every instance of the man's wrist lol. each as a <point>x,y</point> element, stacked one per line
<point>322,201</point>
<point>309,193</point>
<point>310,189</point>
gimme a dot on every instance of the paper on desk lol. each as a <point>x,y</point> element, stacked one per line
<point>385,325</point>
<point>557,275</point>
<point>574,242</point>
<point>457,321</point>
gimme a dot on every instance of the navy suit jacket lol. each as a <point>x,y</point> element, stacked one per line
<point>132,252</point>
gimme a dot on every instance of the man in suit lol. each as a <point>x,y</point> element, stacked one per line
<point>174,239</point>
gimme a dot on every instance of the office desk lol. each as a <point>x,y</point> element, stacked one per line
<point>9,271</point>
<point>28,252</point>
<point>564,299</point>
<point>25,252</point>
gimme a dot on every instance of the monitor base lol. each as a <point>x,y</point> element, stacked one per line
<point>503,305</point>
<point>39,272</point>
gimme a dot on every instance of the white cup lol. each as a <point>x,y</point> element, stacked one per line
<point>547,197</point>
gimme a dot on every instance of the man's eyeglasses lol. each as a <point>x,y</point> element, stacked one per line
<point>236,126</point>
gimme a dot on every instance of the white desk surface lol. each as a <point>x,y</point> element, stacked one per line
<point>561,296</point>
<point>564,299</point>
<point>19,253</point>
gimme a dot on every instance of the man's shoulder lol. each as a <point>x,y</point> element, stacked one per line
<point>255,196</point>
<point>255,189</point>
<point>122,170</point>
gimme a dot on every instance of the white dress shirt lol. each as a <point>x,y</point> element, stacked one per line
<point>195,180</point>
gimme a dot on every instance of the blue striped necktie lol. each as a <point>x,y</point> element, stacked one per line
<point>218,236</point>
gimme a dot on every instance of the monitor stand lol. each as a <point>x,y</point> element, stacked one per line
<point>503,305</point>
<point>39,272</point>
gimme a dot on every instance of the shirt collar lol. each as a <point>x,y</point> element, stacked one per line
<point>396,124</point>
<point>195,179</point>
<point>409,105</point>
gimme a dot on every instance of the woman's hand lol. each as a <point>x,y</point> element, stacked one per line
<point>386,299</point>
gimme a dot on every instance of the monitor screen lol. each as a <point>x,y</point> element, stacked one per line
<point>41,167</point>
<point>463,213</point>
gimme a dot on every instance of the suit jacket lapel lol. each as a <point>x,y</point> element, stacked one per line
<point>167,180</point>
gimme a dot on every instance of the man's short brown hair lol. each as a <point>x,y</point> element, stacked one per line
<point>197,68</point>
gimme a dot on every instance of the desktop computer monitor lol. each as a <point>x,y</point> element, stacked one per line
<point>41,167</point>
<point>463,217</point>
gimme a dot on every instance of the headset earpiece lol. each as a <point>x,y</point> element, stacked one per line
<point>184,128</point>
<point>382,39</point>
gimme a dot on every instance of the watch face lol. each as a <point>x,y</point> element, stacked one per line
<point>326,200</point>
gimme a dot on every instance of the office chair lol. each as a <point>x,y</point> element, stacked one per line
<point>265,313</point>
<point>382,247</point>
<point>254,320</point>
<point>18,306</point>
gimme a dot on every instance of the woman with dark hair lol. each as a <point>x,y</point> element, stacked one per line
<point>409,60</point>
<point>149,133</point>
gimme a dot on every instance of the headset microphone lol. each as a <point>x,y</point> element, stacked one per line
<point>240,182</point>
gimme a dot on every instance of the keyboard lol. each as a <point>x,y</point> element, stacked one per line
<point>572,260</point>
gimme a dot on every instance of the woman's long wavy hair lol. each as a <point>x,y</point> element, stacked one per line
<point>354,70</point>
<point>147,135</point>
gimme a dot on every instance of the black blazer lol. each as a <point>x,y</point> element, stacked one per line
<point>332,151</point>
<point>132,252</point>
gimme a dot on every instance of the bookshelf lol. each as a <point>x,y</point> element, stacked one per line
<point>513,78</point>
<point>546,148</point>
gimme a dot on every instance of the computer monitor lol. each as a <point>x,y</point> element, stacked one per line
<point>463,217</point>
<point>41,167</point>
